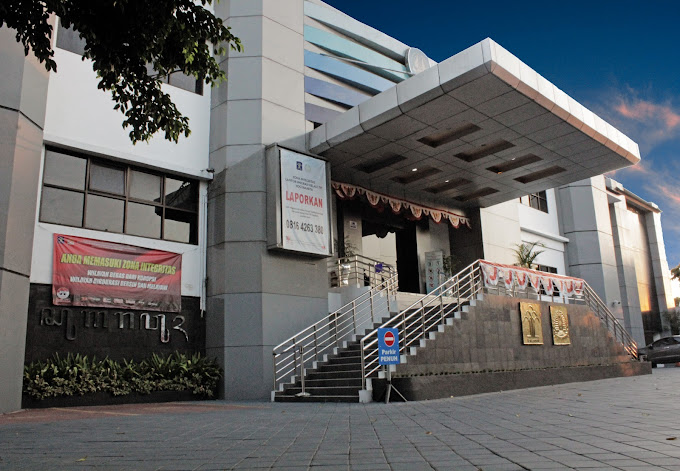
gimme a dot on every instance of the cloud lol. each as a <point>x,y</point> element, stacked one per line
<point>644,111</point>
<point>649,122</point>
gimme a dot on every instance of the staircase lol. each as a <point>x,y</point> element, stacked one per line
<point>341,365</point>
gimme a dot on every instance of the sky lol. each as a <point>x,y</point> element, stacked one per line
<point>620,59</point>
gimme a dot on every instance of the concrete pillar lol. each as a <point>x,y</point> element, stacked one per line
<point>585,219</point>
<point>629,310</point>
<point>660,270</point>
<point>256,298</point>
<point>23,91</point>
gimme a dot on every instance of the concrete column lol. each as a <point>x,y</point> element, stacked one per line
<point>629,310</point>
<point>256,298</point>
<point>660,270</point>
<point>23,91</point>
<point>585,222</point>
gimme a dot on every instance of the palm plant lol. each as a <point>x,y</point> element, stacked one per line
<point>526,253</point>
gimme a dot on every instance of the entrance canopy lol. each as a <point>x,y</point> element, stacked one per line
<point>478,129</point>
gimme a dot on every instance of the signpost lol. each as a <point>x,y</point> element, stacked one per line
<point>388,354</point>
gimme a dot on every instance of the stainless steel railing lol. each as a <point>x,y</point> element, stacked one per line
<point>298,352</point>
<point>423,316</point>
<point>358,270</point>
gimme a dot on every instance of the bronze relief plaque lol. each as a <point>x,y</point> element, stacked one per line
<point>560,325</point>
<point>532,329</point>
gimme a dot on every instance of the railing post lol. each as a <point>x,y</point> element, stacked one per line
<point>316,349</point>
<point>422,317</point>
<point>354,315</point>
<point>371,306</point>
<point>335,324</point>
<point>363,364</point>
<point>274,368</point>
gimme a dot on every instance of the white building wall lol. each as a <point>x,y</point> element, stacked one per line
<point>81,117</point>
<point>544,228</point>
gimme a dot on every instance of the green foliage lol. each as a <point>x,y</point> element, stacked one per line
<point>675,273</point>
<point>347,249</point>
<point>78,374</point>
<point>526,254</point>
<point>121,38</point>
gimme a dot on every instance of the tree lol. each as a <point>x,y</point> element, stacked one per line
<point>675,273</point>
<point>526,254</point>
<point>121,38</point>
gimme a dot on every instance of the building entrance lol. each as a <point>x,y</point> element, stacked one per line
<point>392,239</point>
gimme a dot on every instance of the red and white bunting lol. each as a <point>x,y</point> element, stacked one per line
<point>522,278</point>
<point>348,191</point>
<point>547,283</point>
<point>508,278</point>
<point>578,287</point>
<point>490,275</point>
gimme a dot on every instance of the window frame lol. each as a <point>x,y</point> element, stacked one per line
<point>538,201</point>
<point>192,214</point>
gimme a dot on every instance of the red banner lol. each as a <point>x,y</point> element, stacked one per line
<point>87,272</point>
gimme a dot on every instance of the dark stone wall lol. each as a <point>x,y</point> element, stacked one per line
<point>483,351</point>
<point>99,332</point>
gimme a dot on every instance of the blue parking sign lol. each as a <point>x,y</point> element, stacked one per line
<point>388,346</point>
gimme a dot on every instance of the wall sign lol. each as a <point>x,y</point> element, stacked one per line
<point>559,320</point>
<point>532,326</point>
<point>95,273</point>
<point>305,223</point>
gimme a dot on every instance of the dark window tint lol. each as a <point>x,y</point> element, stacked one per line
<point>104,214</point>
<point>181,194</point>
<point>61,207</point>
<point>144,220</point>
<point>65,170</point>
<point>539,201</point>
<point>118,198</point>
<point>145,186</point>
<point>107,179</point>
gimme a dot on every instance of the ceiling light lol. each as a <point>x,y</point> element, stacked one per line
<point>414,169</point>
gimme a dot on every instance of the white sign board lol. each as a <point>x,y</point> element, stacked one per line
<point>304,204</point>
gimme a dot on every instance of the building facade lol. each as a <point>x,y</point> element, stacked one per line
<point>464,159</point>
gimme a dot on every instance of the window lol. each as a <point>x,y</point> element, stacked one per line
<point>69,40</point>
<point>87,192</point>
<point>539,201</point>
<point>547,269</point>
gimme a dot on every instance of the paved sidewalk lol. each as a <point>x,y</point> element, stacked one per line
<point>626,424</point>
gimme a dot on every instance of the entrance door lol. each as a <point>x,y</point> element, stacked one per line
<point>407,259</point>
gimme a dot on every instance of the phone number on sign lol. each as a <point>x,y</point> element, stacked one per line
<point>303,226</point>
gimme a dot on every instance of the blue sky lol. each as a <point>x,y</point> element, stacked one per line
<point>619,59</point>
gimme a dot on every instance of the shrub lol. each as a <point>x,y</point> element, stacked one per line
<point>78,375</point>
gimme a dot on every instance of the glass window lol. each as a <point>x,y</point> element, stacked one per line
<point>104,214</point>
<point>179,226</point>
<point>144,220</point>
<point>107,179</point>
<point>539,201</point>
<point>61,207</point>
<point>181,194</point>
<point>154,205</point>
<point>64,170</point>
<point>145,186</point>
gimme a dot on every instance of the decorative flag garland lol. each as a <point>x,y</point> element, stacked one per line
<point>347,191</point>
<point>521,276</point>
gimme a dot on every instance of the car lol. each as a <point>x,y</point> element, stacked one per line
<point>664,350</point>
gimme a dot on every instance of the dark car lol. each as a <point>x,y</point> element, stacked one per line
<point>664,350</point>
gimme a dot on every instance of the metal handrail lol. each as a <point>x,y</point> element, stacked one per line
<point>292,355</point>
<point>619,332</point>
<point>358,270</point>
<point>423,316</point>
